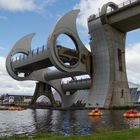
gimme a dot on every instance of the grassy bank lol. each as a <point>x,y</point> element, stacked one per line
<point>104,135</point>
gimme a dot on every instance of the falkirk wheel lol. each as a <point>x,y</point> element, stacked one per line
<point>107,84</point>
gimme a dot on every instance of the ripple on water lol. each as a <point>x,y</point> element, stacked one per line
<point>61,122</point>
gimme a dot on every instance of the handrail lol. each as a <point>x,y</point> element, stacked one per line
<point>33,52</point>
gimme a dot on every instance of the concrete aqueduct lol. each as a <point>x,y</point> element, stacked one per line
<point>105,64</point>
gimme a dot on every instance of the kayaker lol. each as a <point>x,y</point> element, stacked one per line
<point>97,108</point>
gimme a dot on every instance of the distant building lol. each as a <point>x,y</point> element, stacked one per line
<point>135,92</point>
<point>17,99</point>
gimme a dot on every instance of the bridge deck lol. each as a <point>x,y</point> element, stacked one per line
<point>125,18</point>
<point>40,59</point>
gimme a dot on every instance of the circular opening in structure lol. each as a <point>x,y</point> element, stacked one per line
<point>43,101</point>
<point>19,57</point>
<point>67,50</point>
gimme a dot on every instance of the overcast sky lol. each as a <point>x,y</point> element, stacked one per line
<point>21,17</point>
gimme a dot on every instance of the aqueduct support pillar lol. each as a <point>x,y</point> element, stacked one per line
<point>109,85</point>
<point>43,89</point>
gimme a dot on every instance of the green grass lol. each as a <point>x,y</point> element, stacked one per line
<point>100,135</point>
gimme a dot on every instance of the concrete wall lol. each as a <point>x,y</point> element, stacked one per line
<point>109,85</point>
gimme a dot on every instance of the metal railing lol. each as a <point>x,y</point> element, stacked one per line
<point>31,53</point>
<point>109,9</point>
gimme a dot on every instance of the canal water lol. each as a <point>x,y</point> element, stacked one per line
<point>76,122</point>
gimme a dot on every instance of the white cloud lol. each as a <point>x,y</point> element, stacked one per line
<point>24,5</point>
<point>89,7</point>
<point>9,85</point>
<point>132,63</point>
<point>88,47</point>
<point>3,18</point>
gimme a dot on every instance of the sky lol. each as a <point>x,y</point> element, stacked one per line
<point>21,17</point>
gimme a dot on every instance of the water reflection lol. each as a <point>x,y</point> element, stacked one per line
<point>132,122</point>
<point>14,122</point>
<point>62,122</point>
<point>110,120</point>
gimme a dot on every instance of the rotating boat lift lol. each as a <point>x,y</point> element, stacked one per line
<point>105,64</point>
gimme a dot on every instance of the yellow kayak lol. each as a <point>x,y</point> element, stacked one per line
<point>95,112</point>
<point>15,108</point>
